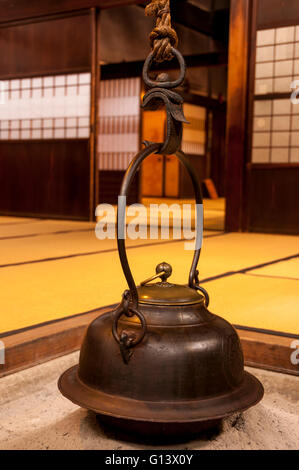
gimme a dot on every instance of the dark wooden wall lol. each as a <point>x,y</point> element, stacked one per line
<point>109,187</point>
<point>52,45</point>
<point>46,178</point>
<point>277,13</point>
<point>273,199</point>
<point>20,9</point>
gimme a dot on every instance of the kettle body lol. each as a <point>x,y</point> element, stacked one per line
<point>188,369</point>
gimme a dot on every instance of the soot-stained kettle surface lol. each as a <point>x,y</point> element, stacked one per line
<point>188,368</point>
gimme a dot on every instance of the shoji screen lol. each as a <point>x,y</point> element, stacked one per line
<point>119,123</point>
<point>47,107</point>
<point>275,137</point>
<point>194,133</point>
<point>272,165</point>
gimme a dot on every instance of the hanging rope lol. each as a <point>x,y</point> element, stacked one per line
<point>163,37</point>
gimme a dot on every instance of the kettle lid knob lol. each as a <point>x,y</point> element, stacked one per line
<point>163,270</point>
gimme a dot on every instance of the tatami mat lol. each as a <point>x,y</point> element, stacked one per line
<point>236,251</point>
<point>42,291</point>
<point>40,227</point>
<point>265,303</point>
<point>57,245</point>
<point>284,269</point>
<point>16,220</point>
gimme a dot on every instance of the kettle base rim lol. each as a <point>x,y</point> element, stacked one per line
<point>248,394</point>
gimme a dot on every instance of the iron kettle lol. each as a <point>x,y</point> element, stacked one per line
<point>161,359</point>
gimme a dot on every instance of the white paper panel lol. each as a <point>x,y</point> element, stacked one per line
<point>46,107</point>
<point>119,122</point>
<point>194,134</point>
<point>275,136</point>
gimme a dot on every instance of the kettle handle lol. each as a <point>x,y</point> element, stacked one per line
<point>121,211</point>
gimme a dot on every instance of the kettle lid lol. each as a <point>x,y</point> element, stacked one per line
<point>165,293</point>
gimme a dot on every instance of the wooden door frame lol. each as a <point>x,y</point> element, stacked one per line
<point>94,112</point>
<point>237,115</point>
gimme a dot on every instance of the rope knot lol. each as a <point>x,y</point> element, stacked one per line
<point>163,37</point>
<point>155,7</point>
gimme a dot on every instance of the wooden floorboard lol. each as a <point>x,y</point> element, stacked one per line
<point>43,343</point>
<point>268,351</point>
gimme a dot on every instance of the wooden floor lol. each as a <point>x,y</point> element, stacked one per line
<point>56,276</point>
<point>44,342</point>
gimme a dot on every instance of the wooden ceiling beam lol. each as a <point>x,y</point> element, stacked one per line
<point>192,17</point>
<point>211,24</point>
<point>13,10</point>
<point>134,68</point>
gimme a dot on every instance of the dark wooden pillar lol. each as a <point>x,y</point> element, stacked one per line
<point>237,113</point>
<point>94,111</point>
